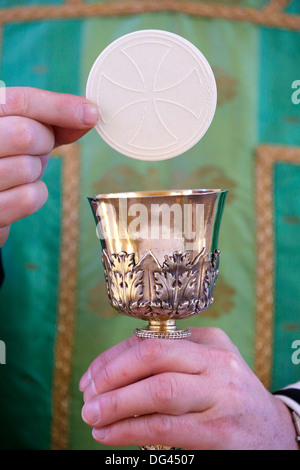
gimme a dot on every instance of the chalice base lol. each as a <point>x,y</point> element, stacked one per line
<point>158,447</point>
<point>166,329</point>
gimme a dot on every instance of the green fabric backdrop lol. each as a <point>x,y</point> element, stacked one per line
<point>254,67</point>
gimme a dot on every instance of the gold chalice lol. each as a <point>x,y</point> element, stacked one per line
<point>160,254</point>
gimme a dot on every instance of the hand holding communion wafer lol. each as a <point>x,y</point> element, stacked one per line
<point>32,123</point>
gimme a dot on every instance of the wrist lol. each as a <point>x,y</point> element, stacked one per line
<point>284,437</point>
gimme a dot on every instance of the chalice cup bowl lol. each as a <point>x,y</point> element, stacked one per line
<point>160,254</point>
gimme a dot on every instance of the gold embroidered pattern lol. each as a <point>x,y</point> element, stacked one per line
<point>276,5</point>
<point>271,15</point>
<point>67,295</point>
<point>267,156</point>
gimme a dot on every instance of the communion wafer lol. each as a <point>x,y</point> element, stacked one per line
<point>156,94</point>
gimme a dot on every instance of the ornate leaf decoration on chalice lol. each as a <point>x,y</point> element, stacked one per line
<point>176,282</point>
<point>178,288</point>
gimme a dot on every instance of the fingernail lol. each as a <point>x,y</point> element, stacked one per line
<point>100,434</point>
<point>88,114</point>
<point>90,392</point>
<point>85,380</point>
<point>90,412</point>
<point>44,160</point>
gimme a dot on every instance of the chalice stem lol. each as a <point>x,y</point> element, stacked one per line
<point>159,328</point>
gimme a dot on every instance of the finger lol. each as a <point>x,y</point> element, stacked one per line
<point>213,337</point>
<point>104,358</point>
<point>23,136</point>
<point>44,160</point>
<point>208,336</point>
<point>22,201</point>
<point>149,357</point>
<point>182,432</point>
<point>55,109</point>
<point>168,393</point>
<point>19,170</point>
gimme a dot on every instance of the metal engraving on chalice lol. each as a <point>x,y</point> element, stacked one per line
<point>178,288</point>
